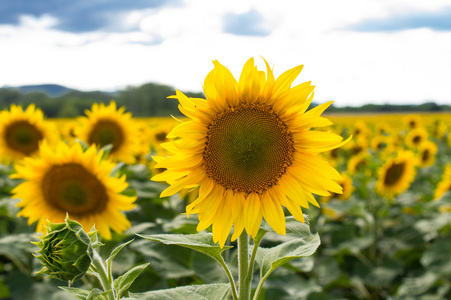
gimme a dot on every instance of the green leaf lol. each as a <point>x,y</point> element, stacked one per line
<point>272,258</point>
<point>202,242</point>
<point>417,285</point>
<point>17,247</point>
<point>168,262</point>
<point>122,283</point>
<point>96,294</point>
<point>116,168</point>
<point>299,242</point>
<point>115,252</point>
<point>75,292</point>
<point>106,151</point>
<point>109,261</point>
<point>437,258</point>
<point>198,292</point>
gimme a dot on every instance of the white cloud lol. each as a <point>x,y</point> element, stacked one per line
<point>176,45</point>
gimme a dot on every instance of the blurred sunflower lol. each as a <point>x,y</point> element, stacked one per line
<point>439,129</point>
<point>426,153</point>
<point>107,125</point>
<point>21,131</point>
<point>358,146</point>
<point>68,180</point>
<point>346,185</point>
<point>358,163</point>
<point>383,128</point>
<point>250,148</point>
<point>67,132</point>
<point>158,136</point>
<point>416,136</point>
<point>360,130</point>
<point>396,175</point>
<point>445,183</point>
<point>382,143</point>
<point>413,121</point>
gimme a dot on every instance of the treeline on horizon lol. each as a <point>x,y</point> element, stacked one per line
<point>150,100</point>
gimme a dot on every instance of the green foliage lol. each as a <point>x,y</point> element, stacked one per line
<point>201,292</point>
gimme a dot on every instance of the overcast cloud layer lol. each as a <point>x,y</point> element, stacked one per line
<point>354,51</point>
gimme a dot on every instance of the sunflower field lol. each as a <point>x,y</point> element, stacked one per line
<point>376,222</point>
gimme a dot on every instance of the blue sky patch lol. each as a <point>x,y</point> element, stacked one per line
<point>75,16</point>
<point>249,23</point>
<point>435,20</point>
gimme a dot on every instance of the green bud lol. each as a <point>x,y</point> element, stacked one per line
<point>66,250</point>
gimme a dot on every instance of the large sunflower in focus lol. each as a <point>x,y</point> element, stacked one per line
<point>68,180</point>
<point>21,131</point>
<point>107,125</point>
<point>396,175</point>
<point>249,147</point>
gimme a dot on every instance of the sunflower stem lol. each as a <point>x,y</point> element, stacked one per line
<point>243,266</point>
<point>105,280</point>
<point>229,275</point>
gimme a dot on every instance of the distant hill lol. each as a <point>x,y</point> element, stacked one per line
<point>52,90</point>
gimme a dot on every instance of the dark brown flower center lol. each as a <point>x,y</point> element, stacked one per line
<point>73,189</point>
<point>394,173</point>
<point>248,148</point>
<point>161,136</point>
<point>106,132</point>
<point>23,137</point>
<point>417,139</point>
<point>425,155</point>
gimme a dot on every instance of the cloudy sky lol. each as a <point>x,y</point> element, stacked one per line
<point>354,51</point>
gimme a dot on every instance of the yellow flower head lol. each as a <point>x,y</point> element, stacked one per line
<point>396,175</point>
<point>358,163</point>
<point>413,121</point>
<point>426,153</point>
<point>21,131</point>
<point>249,147</point>
<point>445,183</point>
<point>66,180</point>
<point>360,130</point>
<point>416,136</point>
<point>346,185</point>
<point>107,125</point>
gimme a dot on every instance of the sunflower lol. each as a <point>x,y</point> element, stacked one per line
<point>445,183</point>
<point>107,125</point>
<point>416,136</point>
<point>158,135</point>
<point>413,121</point>
<point>346,185</point>
<point>383,128</point>
<point>67,180</point>
<point>360,130</point>
<point>396,175</point>
<point>250,149</point>
<point>21,131</point>
<point>427,151</point>
<point>439,129</point>
<point>67,130</point>
<point>358,164</point>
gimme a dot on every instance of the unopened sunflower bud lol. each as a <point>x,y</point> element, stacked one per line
<point>65,251</point>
